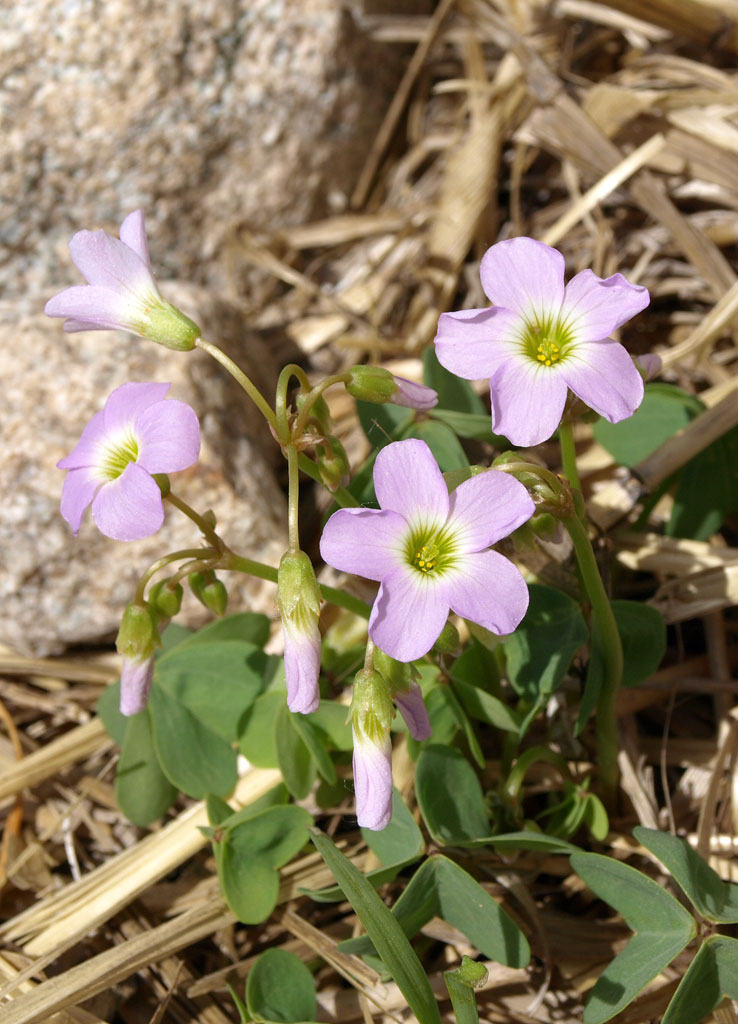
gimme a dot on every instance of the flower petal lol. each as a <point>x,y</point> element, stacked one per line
<point>130,507</point>
<point>365,541</point>
<point>488,589</point>
<point>168,435</point>
<point>527,401</point>
<point>487,508</point>
<point>135,683</point>
<point>594,307</point>
<point>133,234</point>
<point>408,614</point>
<point>87,451</point>
<point>604,376</point>
<point>80,487</point>
<point>474,342</point>
<point>525,276</point>
<point>109,263</point>
<point>412,708</point>
<point>407,480</point>
<point>128,401</point>
<point>413,395</point>
<point>373,782</point>
<point>302,666</point>
<point>95,309</point>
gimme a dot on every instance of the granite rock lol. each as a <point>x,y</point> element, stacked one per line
<point>56,590</point>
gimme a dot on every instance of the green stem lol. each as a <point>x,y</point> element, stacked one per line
<point>236,563</point>
<point>280,403</point>
<point>312,396</point>
<point>175,556</point>
<point>606,721</point>
<point>205,528</point>
<point>238,375</point>
<point>341,496</point>
<point>293,498</point>
<point>569,464</point>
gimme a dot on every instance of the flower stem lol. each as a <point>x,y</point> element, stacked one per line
<point>606,722</point>
<point>341,496</point>
<point>238,375</point>
<point>284,433</point>
<point>313,395</point>
<point>175,556</point>
<point>569,464</point>
<point>205,528</point>
<point>293,496</point>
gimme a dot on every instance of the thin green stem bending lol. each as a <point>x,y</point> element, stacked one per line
<point>293,498</point>
<point>606,721</point>
<point>175,556</point>
<point>238,375</point>
<point>203,525</point>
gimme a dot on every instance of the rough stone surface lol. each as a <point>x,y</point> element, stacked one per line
<point>206,113</point>
<point>56,590</point>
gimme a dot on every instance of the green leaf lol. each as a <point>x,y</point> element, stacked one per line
<point>485,708</point>
<point>295,761</point>
<point>249,854</point>
<point>461,985</point>
<point>711,897</point>
<point>383,929</point>
<point>442,442</point>
<point>218,809</point>
<point>473,426</point>
<point>313,740</point>
<point>453,392</point>
<point>664,410</point>
<point>173,634</point>
<point>712,976</point>
<point>642,630</point>
<point>192,756</point>
<point>243,1013</point>
<point>257,734</point>
<point>444,723</point>
<point>440,888</point>
<point>449,796</point>
<point>248,627</point>
<point>216,682</point>
<point>280,988</point>
<point>401,840</point>
<point>377,878</point>
<point>662,926</point>
<point>332,719</point>
<point>142,790</point>
<point>540,650</point>
<point>108,708</point>
<point>383,423</point>
<point>707,491</point>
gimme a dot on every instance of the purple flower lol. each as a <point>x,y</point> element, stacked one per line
<point>649,365</point>
<point>121,293</point>
<point>414,396</point>
<point>541,338</point>
<point>371,714</point>
<point>137,433</point>
<point>298,600</point>
<point>135,682</point>
<point>430,550</point>
<point>412,708</point>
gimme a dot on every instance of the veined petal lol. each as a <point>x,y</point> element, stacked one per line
<point>129,507</point>
<point>108,262</point>
<point>413,710</point>
<point>413,395</point>
<point>407,480</point>
<point>527,401</point>
<point>474,342</point>
<point>302,648</point>
<point>87,451</point>
<point>133,234</point>
<point>408,614</point>
<point>365,541</point>
<point>96,309</point>
<point>135,683</point>
<point>604,376</point>
<point>487,588</point>
<point>525,276</point>
<point>80,487</point>
<point>487,508</point>
<point>129,400</point>
<point>373,782</point>
<point>168,435</point>
<point>594,307</point>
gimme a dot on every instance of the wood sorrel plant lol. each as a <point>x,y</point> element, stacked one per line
<point>422,523</point>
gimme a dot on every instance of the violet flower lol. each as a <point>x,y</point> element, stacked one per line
<point>121,293</point>
<point>135,683</point>
<point>137,433</point>
<point>541,338</point>
<point>371,714</point>
<point>412,707</point>
<point>430,550</point>
<point>413,395</point>
<point>298,600</point>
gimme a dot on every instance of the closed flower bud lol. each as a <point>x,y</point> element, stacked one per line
<point>333,463</point>
<point>371,384</point>
<point>165,601</point>
<point>298,600</point>
<point>137,639</point>
<point>371,714</point>
<point>209,590</point>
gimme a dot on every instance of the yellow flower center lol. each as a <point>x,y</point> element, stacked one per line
<point>118,455</point>
<point>426,558</point>
<point>546,342</point>
<point>431,552</point>
<point>548,352</point>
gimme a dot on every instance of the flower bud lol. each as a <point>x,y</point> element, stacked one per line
<point>209,590</point>
<point>164,600</point>
<point>371,714</point>
<point>333,463</point>
<point>414,396</point>
<point>371,384</point>
<point>319,411</point>
<point>137,639</point>
<point>648,365</point>
<point>298,600</point>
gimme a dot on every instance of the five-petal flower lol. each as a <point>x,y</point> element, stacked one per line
<point>430,550</point>
<point>138,433</point>
<point>121,293</point>
<point>541,338</point>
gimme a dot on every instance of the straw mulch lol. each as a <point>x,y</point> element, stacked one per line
<point>611,131</point>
